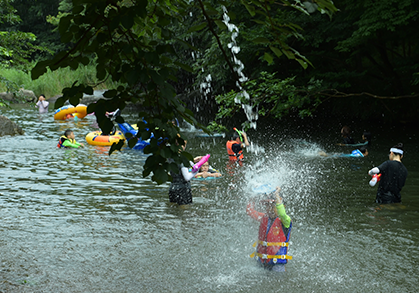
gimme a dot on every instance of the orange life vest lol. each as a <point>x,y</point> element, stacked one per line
<point>232,155</point>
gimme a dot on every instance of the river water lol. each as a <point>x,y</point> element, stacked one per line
<point>78,220</point>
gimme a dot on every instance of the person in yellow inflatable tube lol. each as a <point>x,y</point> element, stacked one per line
<point>68,140</point>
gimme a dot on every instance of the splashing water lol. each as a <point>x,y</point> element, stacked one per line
<point>252,115</point>
<point>205,87</point>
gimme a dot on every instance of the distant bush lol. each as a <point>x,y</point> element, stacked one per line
<point>51,83</point>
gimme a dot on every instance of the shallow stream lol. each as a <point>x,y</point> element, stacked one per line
<point>78,220</point>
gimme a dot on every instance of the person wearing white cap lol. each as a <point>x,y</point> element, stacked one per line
<point>393,177</point>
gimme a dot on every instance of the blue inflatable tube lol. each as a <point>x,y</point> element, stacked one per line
<point>127,128</point>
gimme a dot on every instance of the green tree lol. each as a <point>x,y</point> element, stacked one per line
<point>134,43</point>
<point>16,47</point>
<point>33,18</point>
<point>365,57</point>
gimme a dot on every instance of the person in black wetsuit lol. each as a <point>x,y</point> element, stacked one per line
<point>393,177</point>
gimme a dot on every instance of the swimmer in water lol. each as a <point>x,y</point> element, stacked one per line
<point>358,153</point>
<point>68,140</point>
<point>206,171</point>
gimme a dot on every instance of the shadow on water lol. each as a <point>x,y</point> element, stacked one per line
<point>83,221</point>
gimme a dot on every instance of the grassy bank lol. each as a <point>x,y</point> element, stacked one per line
<point>52,83</point>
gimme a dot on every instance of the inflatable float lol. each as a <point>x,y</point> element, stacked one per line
<point>127,128</point>
<point>211,170</point>
<point>201,133</point>
<point>96,138</point>
<point>69,111</point>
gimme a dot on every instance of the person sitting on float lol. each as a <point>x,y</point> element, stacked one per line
<point>274,232</point>
<point>68,140</point>
<point>206,171</point>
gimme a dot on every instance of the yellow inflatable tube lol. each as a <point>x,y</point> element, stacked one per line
<point>96,138</point>
<point>70,111</point>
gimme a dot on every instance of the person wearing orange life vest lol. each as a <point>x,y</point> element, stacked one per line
<point>236,144</point>
<point>274,233</point>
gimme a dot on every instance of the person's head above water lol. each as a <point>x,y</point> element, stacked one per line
<point>237,134</point>
<point>364,151</point>
<point>267,195</point>
<point>366,136</point>
<point>396,152</point>
<point>204,167</point>
<point>69,134</point>
<point>345,131</point>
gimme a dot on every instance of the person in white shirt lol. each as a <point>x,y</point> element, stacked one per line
<point>42,104</point>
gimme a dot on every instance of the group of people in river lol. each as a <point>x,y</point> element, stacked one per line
<point>392,172</point>
<point>275,225</point>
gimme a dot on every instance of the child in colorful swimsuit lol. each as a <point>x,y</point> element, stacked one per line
<point>274,232</point>
<point>68,140</point>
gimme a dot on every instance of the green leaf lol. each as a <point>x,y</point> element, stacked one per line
<point>127,22</point>
<point>160,175</point>
<point>277,51</point>
<point>268,57</point>
<point>261,40</point>
<point>39,69</point>
<point>116,146</point>
<point>197,27</point>
<point>184,66</point>
<point>221,24</point>
<point>250,8</point>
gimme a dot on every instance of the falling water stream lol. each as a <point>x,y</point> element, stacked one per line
<point>78,220</point>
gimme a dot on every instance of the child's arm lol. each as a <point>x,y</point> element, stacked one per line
<point>69,144</point>
<point>186,174</point>
<point>285,219</point>
<point>250,210</point>
<point>246,142</point>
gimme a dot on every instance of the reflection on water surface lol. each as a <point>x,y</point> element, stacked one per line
<point>83,221</point>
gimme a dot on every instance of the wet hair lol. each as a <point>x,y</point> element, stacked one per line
<point>67,132</point>
<point>363,149</point>
<point>235,135</point>
<point>346,130</point>
<point>400,147</point>
<point>367,135</point>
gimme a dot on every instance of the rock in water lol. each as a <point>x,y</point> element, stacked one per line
<point>8,127</point>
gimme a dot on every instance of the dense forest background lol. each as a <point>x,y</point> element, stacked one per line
<point>363,60</point>
<point>221,60</point>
